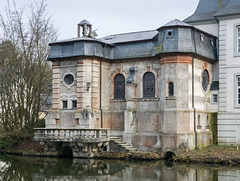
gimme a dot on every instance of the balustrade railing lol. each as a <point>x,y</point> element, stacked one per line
<point>71,135</point>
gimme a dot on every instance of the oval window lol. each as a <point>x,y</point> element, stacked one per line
<point>68,79</point>
<point>205,80</point>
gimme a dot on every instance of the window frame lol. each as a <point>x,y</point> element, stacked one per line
<point>170,89</point>
<point>116,88</point>
<point>152,93</point>
<point>214,102</point>
<point>64,104</point>
<point>236,91</point>
<point>205,85</point>
<point>236,38</point>
<point>74,104</point>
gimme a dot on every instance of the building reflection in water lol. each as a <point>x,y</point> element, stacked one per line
<point>36,169</point>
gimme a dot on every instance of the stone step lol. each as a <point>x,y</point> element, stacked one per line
<point>119,141</point>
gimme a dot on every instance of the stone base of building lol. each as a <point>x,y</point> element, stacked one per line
<point>167,142</point>
<point>76,150</point>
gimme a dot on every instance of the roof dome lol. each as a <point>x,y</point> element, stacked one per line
<point>84,22</point>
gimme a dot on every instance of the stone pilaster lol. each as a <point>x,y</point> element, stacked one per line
<point>56,85</point>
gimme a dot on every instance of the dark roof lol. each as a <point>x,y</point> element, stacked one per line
<point>84,22</point>
<point>130,37</point>
<point>232,8</point>
<point>79,39</point>
<point>175,23</point>
<point>214,85</point>
<point>206,10</point>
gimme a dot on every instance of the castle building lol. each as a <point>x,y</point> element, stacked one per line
<point>154,89</point>
<point>222,19</point>
<point>170,89</point>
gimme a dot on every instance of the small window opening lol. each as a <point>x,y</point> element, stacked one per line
<point>170,33</point>
<point>170,89</point>
<point>207,122</point>
<point>65,105</point>
<point>199,123</point>
<point>214,98</point>
<point>202,38</point>
<point>212,43</point>
<point>74,104</point>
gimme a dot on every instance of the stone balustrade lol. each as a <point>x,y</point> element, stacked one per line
<point>71,135</point>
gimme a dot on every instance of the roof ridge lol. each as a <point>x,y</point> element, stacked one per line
<point>128,33</point>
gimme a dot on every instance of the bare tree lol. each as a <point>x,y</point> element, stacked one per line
<point>24,72</point>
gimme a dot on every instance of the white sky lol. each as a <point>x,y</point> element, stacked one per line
<point>113,16</point>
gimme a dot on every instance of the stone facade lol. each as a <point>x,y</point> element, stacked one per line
<point>151,88</point>
<point>222,18</point>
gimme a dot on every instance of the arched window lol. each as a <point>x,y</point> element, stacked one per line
<point>119,87</point>
<point>148,85</point>
<point>170,89</point>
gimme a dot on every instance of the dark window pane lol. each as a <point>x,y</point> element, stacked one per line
<point>170,89</point>
<point>74,104</point>
<point>149,85</point>
<point>69,79</point>
<point>65,106</point>
<point>119,87</point>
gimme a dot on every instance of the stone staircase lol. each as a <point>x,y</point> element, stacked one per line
<point>117,144</point>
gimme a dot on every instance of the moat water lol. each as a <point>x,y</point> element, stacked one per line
<point>15,168</point>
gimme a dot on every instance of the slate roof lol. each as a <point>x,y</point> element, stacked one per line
<point>232,8</point>
<point>130,37</point>
<point>75,40</point>
<point>206,10</point>
<point>214,85</point>
<point>141,35</point>
<point>175,23</point>
<point>137,44</point>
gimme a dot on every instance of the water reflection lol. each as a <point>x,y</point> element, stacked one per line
<point>37,169</point>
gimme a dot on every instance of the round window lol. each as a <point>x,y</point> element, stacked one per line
<point>205,80</point>
<point>68,79</point>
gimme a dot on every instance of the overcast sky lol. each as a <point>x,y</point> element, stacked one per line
<point>112,16</point>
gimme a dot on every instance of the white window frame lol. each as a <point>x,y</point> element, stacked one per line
<point>213,99</point>
<point>238,39</point>
<point>237,90</point>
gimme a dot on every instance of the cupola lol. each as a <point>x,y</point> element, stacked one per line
<point>86,28</point>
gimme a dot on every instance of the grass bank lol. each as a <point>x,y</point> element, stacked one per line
<point>215,154</point>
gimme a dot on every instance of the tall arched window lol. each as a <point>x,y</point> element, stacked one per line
<point>170,89</point>
<point>119,87</point>
<point>148,85</point>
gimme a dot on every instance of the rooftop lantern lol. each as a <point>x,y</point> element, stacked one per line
<point>86,28</point>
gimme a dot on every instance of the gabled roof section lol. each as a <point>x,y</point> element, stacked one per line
<point>175,23</point>
<point>130,37</point>
<point>232,8</point>
<point>206,10</point>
